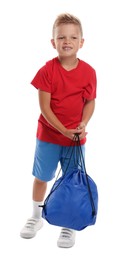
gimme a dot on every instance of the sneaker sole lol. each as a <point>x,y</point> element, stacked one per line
<point>26,236</point>
<point>65,245</point>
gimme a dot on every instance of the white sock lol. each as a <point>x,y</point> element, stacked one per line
<point>37,211</point>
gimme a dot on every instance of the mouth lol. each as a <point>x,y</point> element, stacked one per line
<point>66,48</point>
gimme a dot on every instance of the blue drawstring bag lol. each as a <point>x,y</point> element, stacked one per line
<point>73,199</point>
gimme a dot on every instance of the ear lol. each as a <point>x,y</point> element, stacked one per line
<point>53,43</point>
<point>81,43</point>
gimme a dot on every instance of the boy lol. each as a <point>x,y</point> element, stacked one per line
<point>67,91</point>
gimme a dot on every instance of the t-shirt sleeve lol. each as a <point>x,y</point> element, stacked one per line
<point>42,80</point>
<point>89,92</point>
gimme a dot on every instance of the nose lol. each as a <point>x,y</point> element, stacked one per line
<point>67,40</point>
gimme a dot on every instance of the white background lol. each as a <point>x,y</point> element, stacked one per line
<point>25,33</point>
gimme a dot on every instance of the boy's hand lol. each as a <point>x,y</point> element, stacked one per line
<point>81,127</point>
<point>79,130</point>
<point>70,133</point>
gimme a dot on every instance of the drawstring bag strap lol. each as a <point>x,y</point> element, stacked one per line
<point>79,151</point>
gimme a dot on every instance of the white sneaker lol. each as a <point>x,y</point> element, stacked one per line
<point>66,238</point>
<point>31,227</point>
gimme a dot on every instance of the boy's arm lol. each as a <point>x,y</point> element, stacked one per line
<point>87,114</point>
<point>44,101</point>
<point>88,111</point>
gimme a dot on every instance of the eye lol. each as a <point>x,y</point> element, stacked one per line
<point>60,37</point>
<point>74,37</point>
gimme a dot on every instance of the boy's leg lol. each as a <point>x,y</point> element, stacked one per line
<point>35,223</point>
<point>44,167</point>
<point>39,189</point>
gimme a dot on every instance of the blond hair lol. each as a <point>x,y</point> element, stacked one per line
<point>67,18</point>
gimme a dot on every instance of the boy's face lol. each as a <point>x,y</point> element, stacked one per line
<point>67,40</point>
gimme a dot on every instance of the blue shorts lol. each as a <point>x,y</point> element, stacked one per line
<point>47,156</point>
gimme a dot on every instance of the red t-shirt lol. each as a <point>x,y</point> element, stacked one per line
<point>68,89</point>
